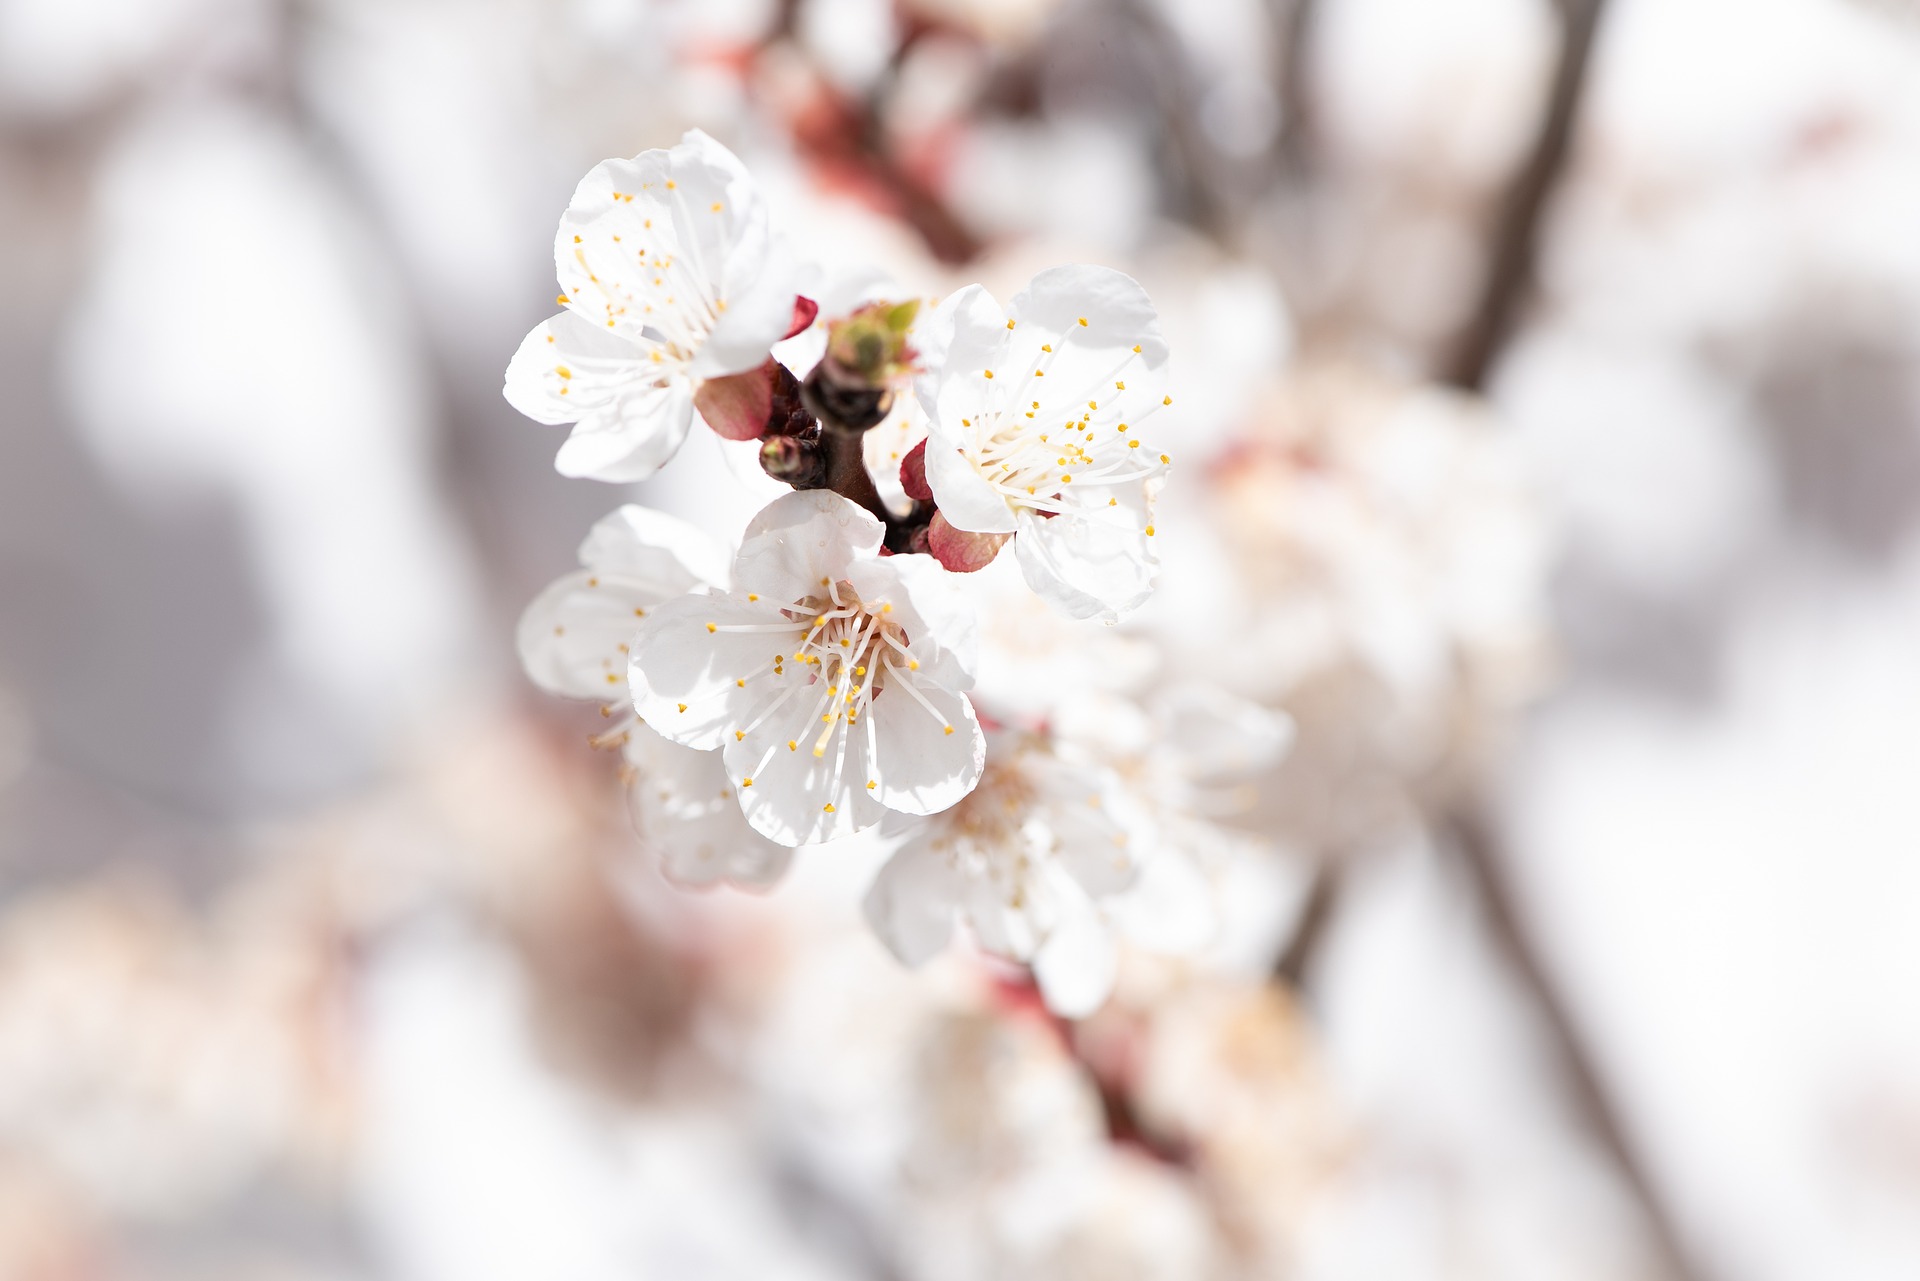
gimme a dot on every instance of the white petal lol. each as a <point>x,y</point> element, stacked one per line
<point>632,437</point>
<point>1212,736</point>
<point>685,678</point>
<point>758,311</point>
<point>1075,967</point>
<point>1169,909</point>
<point>792,789</point>
<point>965,497</point>
<point>800,541</point>
<point>684,814</point>
<point>940,620</point>
<point>645,243</point>
<point>664,553</point>
<point>1115,306</point>
<point>566,369</point>
<point>962,336</point>
<point>921,767</point>
<point>1088,566</point>
<point>911,903</point>
<point>887,445</point>
<point>575,636</point>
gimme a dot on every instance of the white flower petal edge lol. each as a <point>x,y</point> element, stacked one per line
<point>832,678</point>
<point>1029,861</point>
<point>574,640</point>
<point>1043,425</point>
<point>684,813</point>
<point>670,276</point>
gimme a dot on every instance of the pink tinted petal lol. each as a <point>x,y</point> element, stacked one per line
<point>959,550</point>
<point>737,406</point>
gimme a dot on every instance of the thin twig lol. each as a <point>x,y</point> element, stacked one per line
<point>1516,240</point>
<point>1471,839</point>
<point>1316,914</point>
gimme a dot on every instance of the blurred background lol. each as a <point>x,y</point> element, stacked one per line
<point>1552,373</point>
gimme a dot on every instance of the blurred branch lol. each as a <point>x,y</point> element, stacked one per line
<point>1310,930</point>
<point>1293,22</point>
<point>1470,837</point>
<point>1516,238</point>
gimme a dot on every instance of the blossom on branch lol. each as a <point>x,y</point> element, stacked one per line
<point>674,290</point>
<point>1043,431</point>
<point>1026,861</point>
<point>574,641</point>
<point>830,677</point>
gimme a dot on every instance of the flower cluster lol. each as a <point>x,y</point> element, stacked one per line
<point>822,683</point>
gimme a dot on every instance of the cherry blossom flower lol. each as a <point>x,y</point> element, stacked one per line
<point>1042,431</point>
<point>574,641</point>
<point>674,290</point>
<point>831,677</point>
<point>1025,860</point>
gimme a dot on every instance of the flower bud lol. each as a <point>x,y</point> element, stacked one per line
<point>798,461</point>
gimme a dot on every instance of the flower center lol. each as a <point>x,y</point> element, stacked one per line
<point>856,651</point>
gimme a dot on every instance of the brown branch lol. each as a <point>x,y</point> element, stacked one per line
<point>1316,914</point>
<point>1516,241</point>
<point>1471,839</point>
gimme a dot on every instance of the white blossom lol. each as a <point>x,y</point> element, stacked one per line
<point>1043,430</point>
<point>830,676</point>
<point>671,279</point>
<point>574,641</point>
<point>1025,860</point>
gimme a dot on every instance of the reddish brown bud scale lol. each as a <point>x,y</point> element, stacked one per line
<point>913,474</point>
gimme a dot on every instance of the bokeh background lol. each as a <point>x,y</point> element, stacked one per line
<point>322,951</point>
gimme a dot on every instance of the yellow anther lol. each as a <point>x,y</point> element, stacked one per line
<point>1046,346</point>
<point>1133,444</point>
<point>638,612</point>
<point>1166,400</point>
<point>716,206</point>
<point>741,682</point>
<point>1009,324</point>
<point>593,582</point>
<point>1122,386</point>
<point>989,373</point>
<point>1165,459</point>
<point>739,734</point>
<point>712,628</point>
<point>683,706</point>
<point>1083,322</point>
<point>746,782</point>
<point>615,680</point>
<point>792,746</point>
<point>561,299</point>
<point>1093,404</point>
<point>949,729</point>
<point>576,240</point>
<point>563,371</point>
<point>827,808</point>
<point>1136,348</point>
<point>1149,531</point>
<point>670,184</point>
<point>752,596</point>
<point>873,783</point>
<point>859,671</point>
